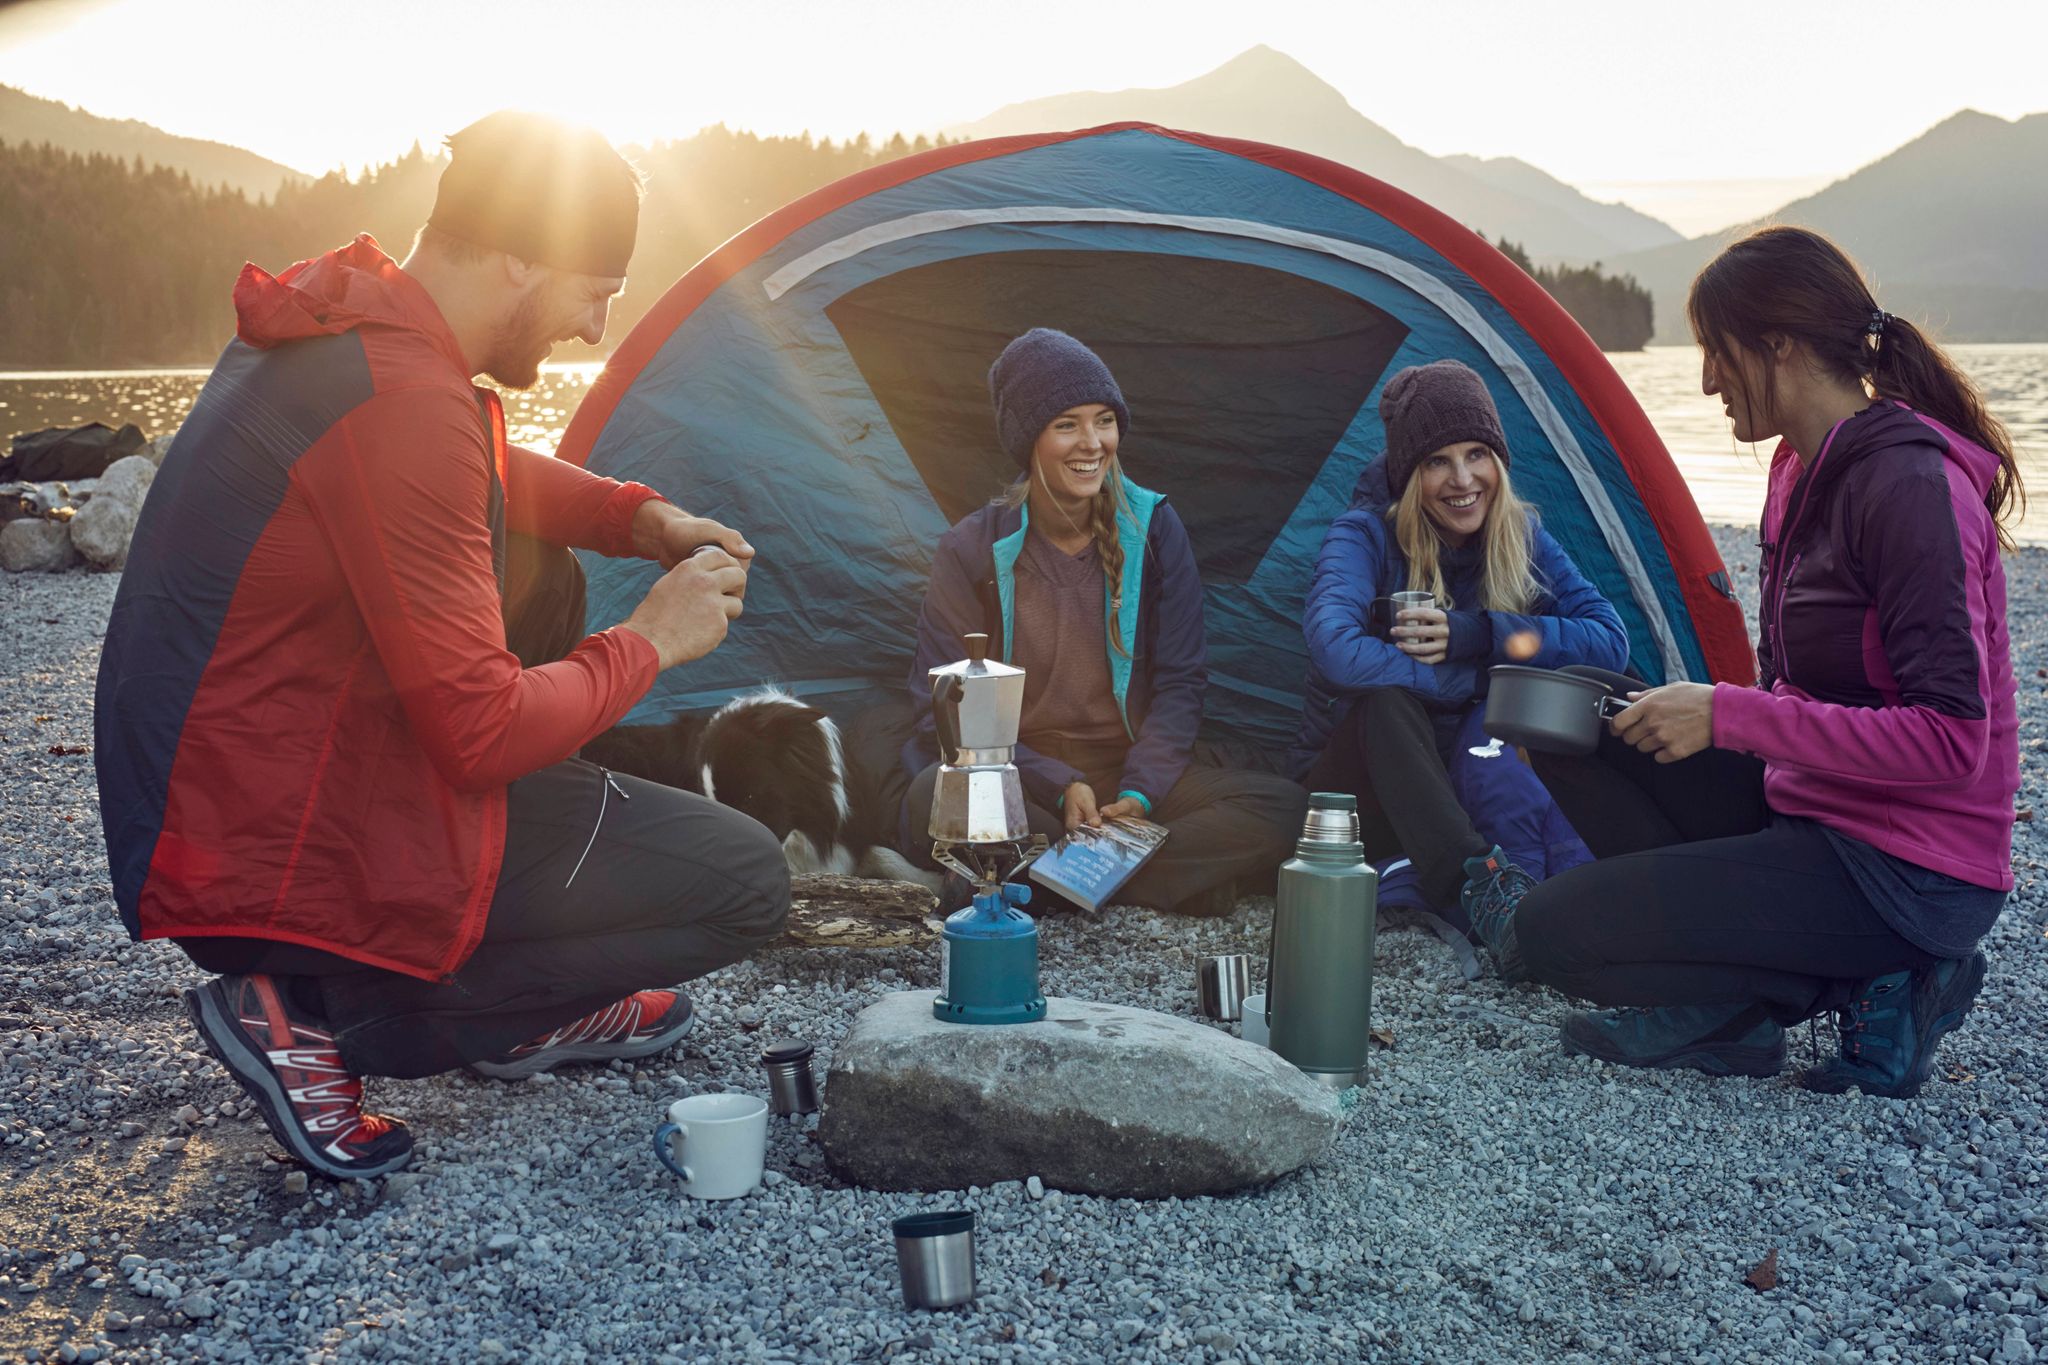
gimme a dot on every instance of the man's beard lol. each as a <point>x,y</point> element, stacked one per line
<point>518,345</point>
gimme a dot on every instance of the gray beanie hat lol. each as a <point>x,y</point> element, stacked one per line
<point>1039,376</point>
<point>1427,407</point>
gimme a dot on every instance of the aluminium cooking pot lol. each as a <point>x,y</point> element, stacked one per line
<point>1546,710</point>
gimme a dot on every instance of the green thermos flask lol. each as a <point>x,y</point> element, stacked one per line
<point>1319,969</point>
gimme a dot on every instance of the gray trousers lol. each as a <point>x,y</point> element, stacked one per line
<point>599,895</point>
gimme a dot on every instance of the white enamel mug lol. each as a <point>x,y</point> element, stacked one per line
<point>1252,1026</point>
<point>716,1143</point>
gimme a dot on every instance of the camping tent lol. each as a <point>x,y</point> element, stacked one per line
<point>819,382</point>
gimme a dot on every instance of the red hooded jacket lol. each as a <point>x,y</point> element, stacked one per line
<point>306,715</point>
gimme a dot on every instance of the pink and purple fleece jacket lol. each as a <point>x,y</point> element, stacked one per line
<point>1886,709</point>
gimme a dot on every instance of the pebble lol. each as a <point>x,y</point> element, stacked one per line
<point>1488,1198</point>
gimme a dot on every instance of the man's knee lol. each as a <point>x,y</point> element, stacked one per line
<point>749,854</point>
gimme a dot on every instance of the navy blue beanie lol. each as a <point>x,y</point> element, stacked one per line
<point>1039,376</point>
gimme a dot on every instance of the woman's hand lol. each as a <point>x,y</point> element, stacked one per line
<point>1124,807</point>
<point>1422,633</point>
<point>1079,806</point>
<point>1674,721</point>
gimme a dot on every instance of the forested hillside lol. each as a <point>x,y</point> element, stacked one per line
<point>115,263</point>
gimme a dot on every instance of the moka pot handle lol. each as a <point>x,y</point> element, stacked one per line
<point>946,716</point>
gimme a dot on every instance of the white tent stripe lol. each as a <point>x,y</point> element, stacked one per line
<point>1414,277</point>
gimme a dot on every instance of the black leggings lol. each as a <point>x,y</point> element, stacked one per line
<point>1389,753</point>
<point>1701,895</point>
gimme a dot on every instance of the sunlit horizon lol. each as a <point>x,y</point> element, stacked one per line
<point>1604,95</point>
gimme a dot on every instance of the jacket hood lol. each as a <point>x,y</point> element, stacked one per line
<point>1883,425</point>
<point>1373,492</point>
<point>356,286</point>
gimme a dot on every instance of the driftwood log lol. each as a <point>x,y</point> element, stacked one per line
<point>852,912</point>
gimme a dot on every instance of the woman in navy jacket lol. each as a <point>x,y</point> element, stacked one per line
<point>1088,583</point>
<point>1389,694</point>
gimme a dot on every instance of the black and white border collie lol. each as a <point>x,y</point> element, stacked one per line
<point>767,755</point>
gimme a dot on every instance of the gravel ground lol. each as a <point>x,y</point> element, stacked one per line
<point>1488,1199</point>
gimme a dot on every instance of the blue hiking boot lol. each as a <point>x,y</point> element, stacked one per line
<point>1493,888</point>
<point>1892,1025</point>
<point>1721,1040</point>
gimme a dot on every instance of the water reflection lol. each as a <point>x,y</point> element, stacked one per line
<point>1727,480</point>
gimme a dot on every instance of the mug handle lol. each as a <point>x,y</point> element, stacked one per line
<point>661,1137</point>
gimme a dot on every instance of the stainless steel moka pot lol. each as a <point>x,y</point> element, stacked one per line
<point>976,705</point>
<point>988,965</point>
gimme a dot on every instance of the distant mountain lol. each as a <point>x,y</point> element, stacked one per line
<point>1267,96</point>
<point>1633,229</point>
<point>31,120</point>
<point>1948,226</point>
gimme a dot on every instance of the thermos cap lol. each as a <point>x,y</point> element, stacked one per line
<point>1332,819</point>
<point>919,1225</point>
<point>786,1050</point>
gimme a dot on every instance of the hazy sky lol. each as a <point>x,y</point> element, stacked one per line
<point>1598,93</point>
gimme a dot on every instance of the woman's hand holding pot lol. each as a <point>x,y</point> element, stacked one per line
<point>1672,722</point>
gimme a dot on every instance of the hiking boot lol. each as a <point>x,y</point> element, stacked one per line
<point>641,1025</point>
<point>1721,1040</point>
<point>1892,1025</point>
<point>1493,888</point>
<point>288,1063</point>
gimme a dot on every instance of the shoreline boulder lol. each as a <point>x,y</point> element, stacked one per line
<point>33,545</point>
<point>1094,1099</point>
<point>103,527</point>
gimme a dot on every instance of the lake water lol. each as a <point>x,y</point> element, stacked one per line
<point>1727,479</point>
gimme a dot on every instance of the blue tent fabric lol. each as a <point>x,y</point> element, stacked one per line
<point>827,398</point>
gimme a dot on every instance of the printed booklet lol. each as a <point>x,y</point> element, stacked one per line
<point>1089,865</point>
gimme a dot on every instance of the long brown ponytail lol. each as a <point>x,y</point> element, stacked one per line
<point>1792,282</point>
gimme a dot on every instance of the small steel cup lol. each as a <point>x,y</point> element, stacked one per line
<point>1221,984</point>
<point>1410,599</point>
<point>935,1257</point>
<point>792,1088</point>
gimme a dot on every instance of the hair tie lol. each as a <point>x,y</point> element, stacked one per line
<point>1876,327</point>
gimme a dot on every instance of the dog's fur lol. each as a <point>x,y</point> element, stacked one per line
<point>767,755</point>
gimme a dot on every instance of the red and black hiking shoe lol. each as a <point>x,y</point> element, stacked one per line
<point>291,1067</point>
<point>641,1025</point>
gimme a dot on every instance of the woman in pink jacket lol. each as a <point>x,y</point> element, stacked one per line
<point>1839,837</point>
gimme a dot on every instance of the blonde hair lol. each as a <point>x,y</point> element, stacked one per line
<point>1104,510</point>
<point>1506,580</point>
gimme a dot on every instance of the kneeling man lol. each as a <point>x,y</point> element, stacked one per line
<point>346,678</point>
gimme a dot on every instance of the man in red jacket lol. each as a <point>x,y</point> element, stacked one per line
<point>346,678</point>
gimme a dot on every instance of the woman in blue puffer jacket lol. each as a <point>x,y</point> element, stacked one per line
<point>1389,692</point>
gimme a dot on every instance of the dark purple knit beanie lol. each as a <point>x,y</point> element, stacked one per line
<point>1039,376</point>
<point>1427,407</point>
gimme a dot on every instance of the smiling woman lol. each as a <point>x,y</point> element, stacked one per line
<point>1074,552</point>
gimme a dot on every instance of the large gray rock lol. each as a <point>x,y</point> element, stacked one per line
<point>104,526</point>
<point>1097,1099</point>
<point>32,545</point>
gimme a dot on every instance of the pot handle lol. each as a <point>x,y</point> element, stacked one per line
<point>1610,706</point>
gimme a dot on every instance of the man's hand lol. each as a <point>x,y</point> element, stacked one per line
<point>665,532</point>
<point>686,613</point>
<point>1423,634</point>
<point>1672,722</point>
<point>1079,806</point>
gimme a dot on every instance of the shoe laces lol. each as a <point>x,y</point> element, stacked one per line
<point>1854,1017</point>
